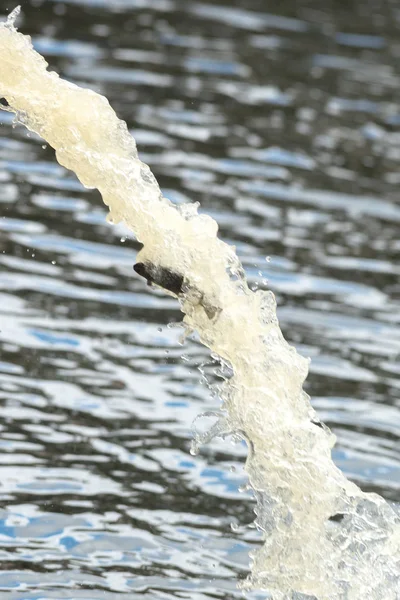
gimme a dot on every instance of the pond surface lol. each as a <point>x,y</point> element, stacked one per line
<point>283,120</point>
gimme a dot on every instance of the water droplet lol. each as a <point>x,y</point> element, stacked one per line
<point>194,448</point>
<point>268,258</point>
<point>14,14</point>
<point>234,527</point>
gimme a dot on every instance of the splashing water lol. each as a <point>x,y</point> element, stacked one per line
<point>323,537</point>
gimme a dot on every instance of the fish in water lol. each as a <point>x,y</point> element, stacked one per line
<point>161,276</point>
<point>173,282</point>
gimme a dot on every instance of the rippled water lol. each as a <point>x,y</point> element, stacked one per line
<point>283,121</point>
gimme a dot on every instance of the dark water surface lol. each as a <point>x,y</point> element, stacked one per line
<point>283,120</point>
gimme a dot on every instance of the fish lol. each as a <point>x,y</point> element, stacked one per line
<point>174,282</point>
<point>163,277</point>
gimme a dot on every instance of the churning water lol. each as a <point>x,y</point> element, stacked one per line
<point>268,121</point>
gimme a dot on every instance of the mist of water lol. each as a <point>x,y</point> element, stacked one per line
<point>323,537</point>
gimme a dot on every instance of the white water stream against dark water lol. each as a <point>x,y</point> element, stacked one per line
<point>322,535</point>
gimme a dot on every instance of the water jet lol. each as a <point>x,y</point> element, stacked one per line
<point>323,537</point>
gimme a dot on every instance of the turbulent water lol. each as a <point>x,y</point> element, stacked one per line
<point>295,166</point>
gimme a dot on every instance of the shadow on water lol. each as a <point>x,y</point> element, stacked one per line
<point>284,124</point>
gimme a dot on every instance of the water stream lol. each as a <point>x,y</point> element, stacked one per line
<point>321,534</point>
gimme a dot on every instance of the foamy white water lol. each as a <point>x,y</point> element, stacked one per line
<point>297,486</point>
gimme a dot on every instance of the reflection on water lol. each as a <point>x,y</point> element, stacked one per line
<point>284,124</point>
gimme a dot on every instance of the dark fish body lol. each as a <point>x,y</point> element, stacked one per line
<point>166,278</point>
<point>173,282</point>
